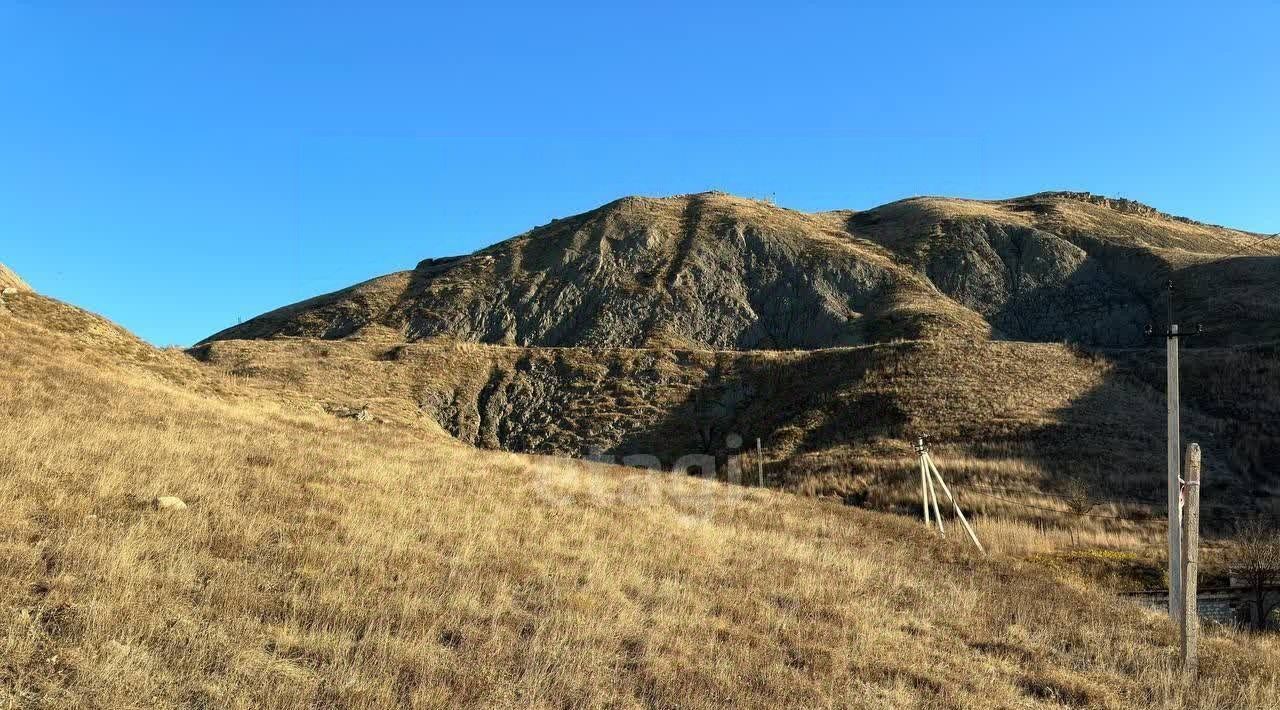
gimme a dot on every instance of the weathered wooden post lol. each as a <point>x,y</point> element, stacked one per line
<point>1190,561</point>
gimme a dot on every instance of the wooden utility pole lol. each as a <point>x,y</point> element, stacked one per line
<point>1174,454</point>
<point>1175,460</point>
<point>1190,625</point>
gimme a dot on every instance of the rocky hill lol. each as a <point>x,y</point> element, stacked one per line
<point>712,271</point>
<point>667,327</point>
<point>704,271</point>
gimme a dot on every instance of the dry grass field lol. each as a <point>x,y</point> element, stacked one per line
<point>8,279</point>
<point>327,563</point>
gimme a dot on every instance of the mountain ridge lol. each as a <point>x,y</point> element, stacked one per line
<point>711,270</point>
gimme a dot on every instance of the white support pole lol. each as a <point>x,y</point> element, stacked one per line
<point>956,504</point>
<point>933,499</point>
<point>924,489</point>
<point>1175,465</point>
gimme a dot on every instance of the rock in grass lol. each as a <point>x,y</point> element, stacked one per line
<point>361,415</point>
<point>168,503</point>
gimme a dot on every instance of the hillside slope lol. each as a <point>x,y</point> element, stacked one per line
<point>327,563</point>
<point>707,270</point>
<point>8,279</point>
<point>713,271</point>
<point>1083,268</point>
<point>1025,416</point>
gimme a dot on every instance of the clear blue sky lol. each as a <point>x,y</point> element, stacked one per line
<point>176,169</point>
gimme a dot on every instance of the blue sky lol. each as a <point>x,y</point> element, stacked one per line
<point>178,169</point>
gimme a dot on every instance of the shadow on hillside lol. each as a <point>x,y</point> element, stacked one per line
<point>1111,437</point>
<point>793,402</point>
<point>1236,300</point>
<point>1091,306</point>
<point>1120,430</point>
<point>1027,281</point>
<point>820,412</point>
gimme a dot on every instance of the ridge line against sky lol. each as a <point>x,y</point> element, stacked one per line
<point>178,169</point>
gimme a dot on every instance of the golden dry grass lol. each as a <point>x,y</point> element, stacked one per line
<point>1064,213</point>
<point>8,279</point>
<point>324,563</point>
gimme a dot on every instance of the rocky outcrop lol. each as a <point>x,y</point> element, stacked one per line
<point>1118,204</point>
<point>1037,286</point>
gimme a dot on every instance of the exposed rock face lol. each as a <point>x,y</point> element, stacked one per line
<point>1034,285</point>
<point>717,272</point>
<point>703,270</point>
<point>1118,204</point>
